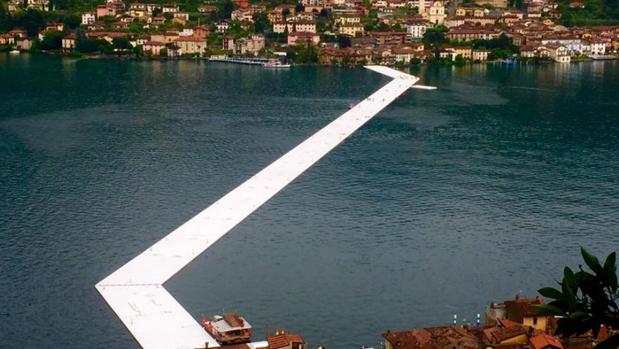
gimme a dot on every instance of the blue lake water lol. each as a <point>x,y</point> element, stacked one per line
<point>446,201</point>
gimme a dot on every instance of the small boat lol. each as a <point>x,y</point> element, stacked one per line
<point>230,328</point>
<point>276,65</point>
<point>14,52</point>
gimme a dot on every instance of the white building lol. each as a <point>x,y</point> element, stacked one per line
<point>223,27</point>
<point>416,28</point>
<point>436,13</point>
<point>88,18</point>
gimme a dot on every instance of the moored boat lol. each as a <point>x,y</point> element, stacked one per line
<point>276,64</point>
<point>231,328</point>
<point>14,52</point>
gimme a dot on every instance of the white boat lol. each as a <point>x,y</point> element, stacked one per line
<point>14,52</point>
<point>276,65</point>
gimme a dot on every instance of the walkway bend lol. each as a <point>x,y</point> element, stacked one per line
<point>135,292</point>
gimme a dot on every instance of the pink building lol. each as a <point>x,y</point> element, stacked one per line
<point>295,38</point>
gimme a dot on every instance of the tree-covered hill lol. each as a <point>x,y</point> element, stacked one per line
<point>589,12</point>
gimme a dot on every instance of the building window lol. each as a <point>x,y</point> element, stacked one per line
<point>534,321</point>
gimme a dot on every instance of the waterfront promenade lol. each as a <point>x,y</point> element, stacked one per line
<point>135,292</point>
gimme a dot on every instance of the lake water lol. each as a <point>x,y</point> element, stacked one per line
<point>446,201</point>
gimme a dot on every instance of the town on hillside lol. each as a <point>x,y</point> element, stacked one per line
<point>388,32</point>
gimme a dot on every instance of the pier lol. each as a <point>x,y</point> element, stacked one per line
<point>247,61</point>
<point>135,292</point>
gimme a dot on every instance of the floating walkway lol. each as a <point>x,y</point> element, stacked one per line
<point>135,292</point>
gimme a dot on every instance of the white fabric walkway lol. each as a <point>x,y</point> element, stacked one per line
<point>135,292</point>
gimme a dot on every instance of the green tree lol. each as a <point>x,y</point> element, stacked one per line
<point>225,9</point>
<point>31,20</point>
<point>261,22</point>
<point>121,43</point>
<point>434,37</point>
<point>72,21</point>
<point>51,41</point>
<point>587,299</point>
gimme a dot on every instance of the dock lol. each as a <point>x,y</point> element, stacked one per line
<point>135,292</point>
<point>246,61</point>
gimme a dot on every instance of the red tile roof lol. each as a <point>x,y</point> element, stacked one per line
<point>433,338</point>
<point>543,340</point>
<point>508,323</point>
<point>283,340</point>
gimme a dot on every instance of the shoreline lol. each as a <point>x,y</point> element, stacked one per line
<point>409,65</point>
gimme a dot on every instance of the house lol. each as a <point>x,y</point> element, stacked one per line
<point>105,10</point>
<point>6,39</point>
<point>68,42</point>
<point>416,28</point>
<point>352,29</point>
<point>283,340</point>
<point>227,43</point>
<point>54,26</point>
<point>249,46</point>
<point>522,310</point>
<point>88,18</point>
<point>201,32</point>
<point>404,54</point>
<point>241,15</point>
<point>256,8</point>
<point>436,13</point>
<point>191,45</point>
<point>170,8</point>
<point>105,35</point>
<point>274,16</point>
<point>41,5</point>
<point>463,51</point>
<point>545,341</point>
<point>285,9</point>
<point>496,337</point>
<point>468,34</point>
<point>433,337</point>
<point>18,33</point>
<point>344,19</point>
<point>222,27</point>
<point>181,15</point>
<point>559,54</point>
<point>153,47</point>
<point>528,51</point>
<point>481,21</point>
<point>207,9</point>
<point>156,21</point>
<point>593,47</point>
<point>23,44</point>
<point>389,38</point>
<point>141,40</point>
<point>480,55</point>
<point>279,27</point>
<point>296,38</point>
<point>345,55</point>
<point>493,3</point>
<point>173,51</point>
<point>305,26</point>
<point>168,37</point>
